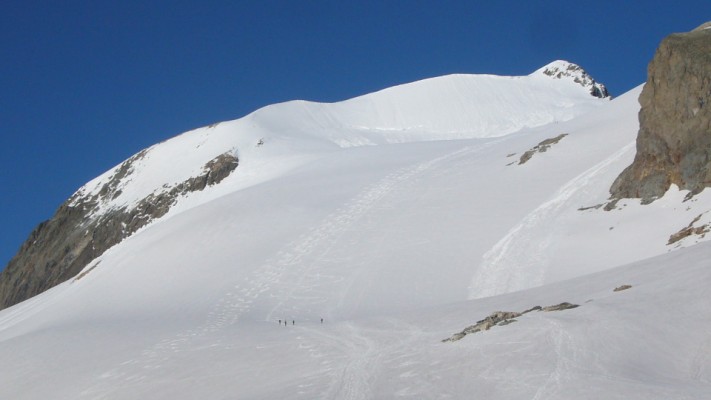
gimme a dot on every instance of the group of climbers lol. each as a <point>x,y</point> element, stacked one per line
<point>293,322</point>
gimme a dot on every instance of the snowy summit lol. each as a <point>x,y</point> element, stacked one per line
<point>565,70</point>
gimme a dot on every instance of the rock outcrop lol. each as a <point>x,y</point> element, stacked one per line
<point>541,147</point>
<point>565,70</point>
<point>621,288</point>
<point>502,318</point>
<point>61,247</point>
<point>693,229</point>
<point>496,318</point>
<point>674,140</point>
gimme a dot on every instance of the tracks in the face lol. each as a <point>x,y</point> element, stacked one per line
<point>291,272</point>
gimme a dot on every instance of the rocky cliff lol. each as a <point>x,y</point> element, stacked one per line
<point>674,140</point>
<point>80,231</point>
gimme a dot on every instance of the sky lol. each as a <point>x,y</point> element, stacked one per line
<point>86,84</point>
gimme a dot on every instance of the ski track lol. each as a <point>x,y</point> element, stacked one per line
<point>515,262</point>
<point>357,359</point>
<point>357,374</point>
<point>350,360</point>
<point>238,301</point>
<point>563,343</point>
<point>313,254</point>
<point>700,364</point>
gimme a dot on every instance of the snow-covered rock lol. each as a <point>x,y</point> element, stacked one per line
<point>569,71</point>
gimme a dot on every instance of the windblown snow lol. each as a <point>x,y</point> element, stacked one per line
<point>375,228</point>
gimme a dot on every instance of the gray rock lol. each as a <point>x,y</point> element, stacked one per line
<point>502,318</point>
<point>560,307</point>
<point>496,318</point>
<point>690,230</point>
<point>61,247</point>
<point>674,140</point>
<point>541,147</point>
<point>536,308</point>
<point>621,288</point>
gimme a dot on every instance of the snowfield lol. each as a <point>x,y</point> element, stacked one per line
<point>400,218</point>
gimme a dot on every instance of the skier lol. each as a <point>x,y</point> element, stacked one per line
<point>293,322</point>
<point>322,320</point>
<point>279,322</point>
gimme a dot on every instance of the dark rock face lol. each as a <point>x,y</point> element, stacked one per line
<point>674,140</point>
<point>61,247</point>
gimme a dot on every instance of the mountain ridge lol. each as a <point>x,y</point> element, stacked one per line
<point>149,184</point>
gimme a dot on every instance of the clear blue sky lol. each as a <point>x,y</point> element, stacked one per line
<point>86,84</point>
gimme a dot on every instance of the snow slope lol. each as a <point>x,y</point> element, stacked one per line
<point>448,107</point>
<point>397,245</point>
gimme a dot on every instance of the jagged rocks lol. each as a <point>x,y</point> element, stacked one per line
<point>61,247</point>
<point>565,70</point>
<point>502,318</point>
<point>541,147</point>
<point>535,308</point>
<point>690,230</point>
<point>496,318</point>
<point>674,140</point>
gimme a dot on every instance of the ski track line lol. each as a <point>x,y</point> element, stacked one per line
<point>562,345</point>
<point>354,373</point>
<point>516,261</point>
<point>700,362</point>
<point>336,224</point>
<point>349,374</point>
<point>239,300</point>
<point>351,379</point>
<point>357,374</point>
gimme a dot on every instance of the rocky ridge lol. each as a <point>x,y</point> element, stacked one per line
<point>61,247</point>
<point>541,147</point>
<point>502,318</point>
<point>674,140</point>
<point>116,204</point>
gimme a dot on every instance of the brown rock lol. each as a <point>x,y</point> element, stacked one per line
<point>541,147</point>
<point>560,307</point>
<point>674,140</point>
<point>621,288</point>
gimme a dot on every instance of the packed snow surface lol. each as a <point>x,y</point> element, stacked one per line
<point>399,218</point>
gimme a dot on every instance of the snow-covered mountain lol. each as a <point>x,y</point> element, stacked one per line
<point>172,176</point>
<point>376,227</point>
<point>444,108</point>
